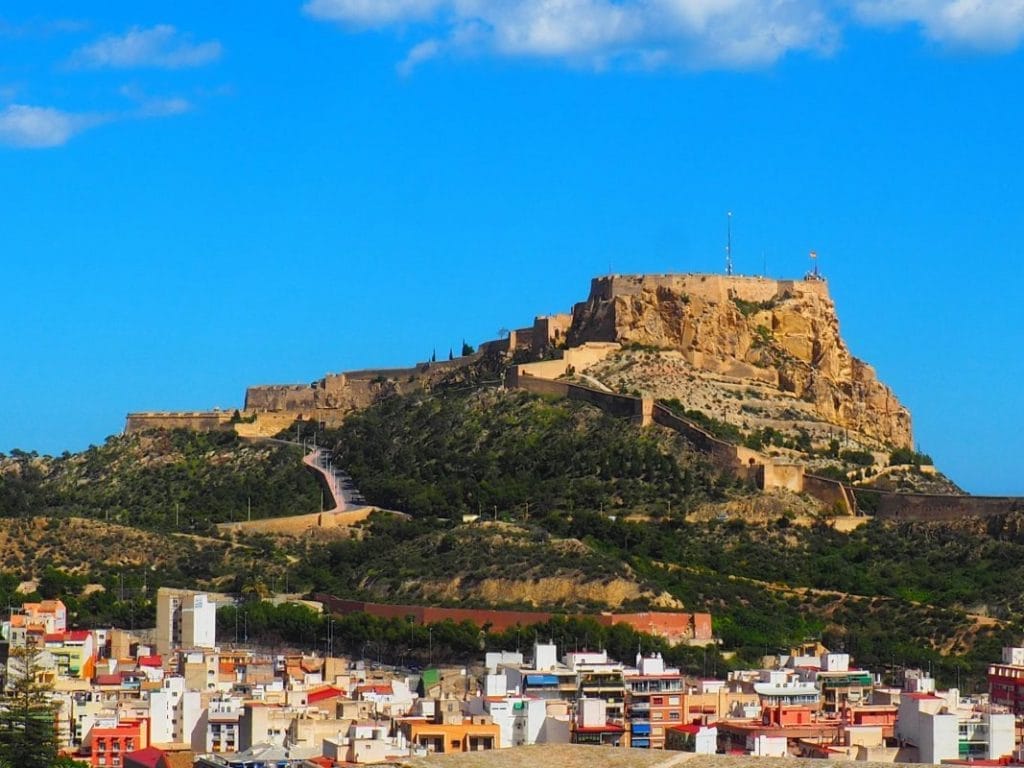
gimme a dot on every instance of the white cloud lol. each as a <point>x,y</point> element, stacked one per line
<point>30,127</point>
<point>726,33</point>
<point>26,126</point>
<point>161,47</point>
<point>373,12</point>
<point>658,33</point>
<point>419,53</point>
<point>168,107</point>
<point>995,25</point>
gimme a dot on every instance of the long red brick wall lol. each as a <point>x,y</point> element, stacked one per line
<point>673,626</point>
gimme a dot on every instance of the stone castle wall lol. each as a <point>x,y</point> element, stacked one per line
<point>199,421</point>
<point>714,288</point>
<point>931,507</point>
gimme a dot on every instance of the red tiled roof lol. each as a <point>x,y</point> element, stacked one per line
<point>53,637</point>
<point>150,661</point>
<point>685,728</point>
<point>107,679</point>
<point>150,757</point>
<point>77,635</point>
<point>320,694</point>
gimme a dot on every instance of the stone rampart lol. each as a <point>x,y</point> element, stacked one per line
<point>830,492</point>
<point>550,331</point>
<point>933,507</point>
<point>636,409</point>
<point>199,421</point>
<point>721,453</point>
<point>716,288</point>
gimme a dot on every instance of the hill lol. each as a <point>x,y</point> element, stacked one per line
<point>165,480</point>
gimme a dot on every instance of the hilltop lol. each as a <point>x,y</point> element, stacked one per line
<point>780,338</point>
<point>755,362</point>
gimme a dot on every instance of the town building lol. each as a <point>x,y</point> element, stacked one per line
<point>184,619</point>
<point>654,701</point>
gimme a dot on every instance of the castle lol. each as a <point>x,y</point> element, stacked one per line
<point>779,337</point>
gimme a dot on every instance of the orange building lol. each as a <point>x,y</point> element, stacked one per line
<point>449,731</point>
<point>471,735</point>
<point>108,745</point>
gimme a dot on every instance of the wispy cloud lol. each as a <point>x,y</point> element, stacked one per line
<point>25,126</point>
<point>418,54</point>
<point>161,47</point>
<point>726,34</point>
<point>987,25</point>
<point>22,125</point>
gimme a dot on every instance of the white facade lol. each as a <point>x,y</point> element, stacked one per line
<point>495,685</point>
<point>495,659</point>
<point>1014,656</point>
<point>545,656</point>
<point>835,662</point>
<point>522,721</point>
<point>165,711</point>
<point>938,737</point>
<point>706,741</point>
<point>767,746</point>
<point>184,619</point>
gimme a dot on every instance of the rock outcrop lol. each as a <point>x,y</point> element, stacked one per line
<point>779,333</point>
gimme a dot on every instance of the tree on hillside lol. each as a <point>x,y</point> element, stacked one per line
<point>467,349</point>
<point>28,736</point>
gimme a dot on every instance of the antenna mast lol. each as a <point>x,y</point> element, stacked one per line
<point>728,243</point>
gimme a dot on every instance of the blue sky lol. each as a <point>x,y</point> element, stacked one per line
<point>198,196</point>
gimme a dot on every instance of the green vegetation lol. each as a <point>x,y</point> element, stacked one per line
<point>720,429</point>
<point>748,308</point>
<point>27,735</point>
<point>907,456</point>
<point>511,453</point>
<point>415,560</point>
<point>161,481</point>
<point>401,641</point>
<point>860,458</point>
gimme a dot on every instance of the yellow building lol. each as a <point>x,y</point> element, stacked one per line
<point>449,731</point>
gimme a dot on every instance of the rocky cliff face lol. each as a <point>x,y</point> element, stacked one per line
<point>780,334</point>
